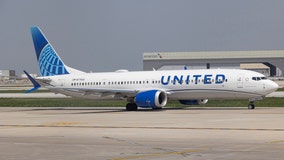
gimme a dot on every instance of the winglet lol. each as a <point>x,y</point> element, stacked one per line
<point>36,85</point>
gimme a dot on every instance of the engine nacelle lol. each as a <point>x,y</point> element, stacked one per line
<point>151,99</point>
<point>194,101</point>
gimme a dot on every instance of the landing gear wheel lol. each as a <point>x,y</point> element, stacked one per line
<point>251,106</point>
<point>131,107</point>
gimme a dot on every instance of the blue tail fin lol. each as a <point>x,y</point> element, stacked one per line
<point>49,62</point>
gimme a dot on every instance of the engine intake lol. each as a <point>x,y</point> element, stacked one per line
<point>151,99</point>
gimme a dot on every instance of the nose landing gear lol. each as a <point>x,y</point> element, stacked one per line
<point>251,101</point>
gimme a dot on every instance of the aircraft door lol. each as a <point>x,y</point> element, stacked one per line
<point>240,83</point>
<point>61,82</point>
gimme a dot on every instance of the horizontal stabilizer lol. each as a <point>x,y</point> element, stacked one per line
<point>35,83</point>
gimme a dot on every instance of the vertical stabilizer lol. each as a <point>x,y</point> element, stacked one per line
<point>49,62</point>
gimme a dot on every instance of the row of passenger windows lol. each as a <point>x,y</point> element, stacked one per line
<point>136,82</point>
<point>112,83</point>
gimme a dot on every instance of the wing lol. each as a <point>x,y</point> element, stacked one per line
<point>97,93</point>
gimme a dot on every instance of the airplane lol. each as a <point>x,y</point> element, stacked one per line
<point>146,89</point>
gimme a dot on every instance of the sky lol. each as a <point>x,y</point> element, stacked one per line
<point>106,35</point>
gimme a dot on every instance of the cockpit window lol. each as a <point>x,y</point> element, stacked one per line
<point>258,78</point>
<point>263,77</point>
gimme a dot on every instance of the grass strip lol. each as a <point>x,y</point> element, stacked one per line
<point>46,91</point>
<point>73,102</point>
<point>23,91</point>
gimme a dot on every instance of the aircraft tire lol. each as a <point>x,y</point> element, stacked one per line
<point>131,107</point>
<point>251,106</point>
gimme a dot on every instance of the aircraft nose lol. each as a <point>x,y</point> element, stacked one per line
<point>272,86</point>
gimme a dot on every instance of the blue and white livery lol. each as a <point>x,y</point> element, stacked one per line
<point>146,89</point>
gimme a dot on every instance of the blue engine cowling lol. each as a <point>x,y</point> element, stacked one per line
<point>194,101</point>
<point>151,99</point>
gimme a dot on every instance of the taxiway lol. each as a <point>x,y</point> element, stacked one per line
<point>114,134</point>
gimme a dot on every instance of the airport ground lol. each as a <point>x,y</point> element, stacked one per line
<point>114,134</point>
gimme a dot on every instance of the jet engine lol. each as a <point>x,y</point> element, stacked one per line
<point>194,101</point>
<point>151,99</point>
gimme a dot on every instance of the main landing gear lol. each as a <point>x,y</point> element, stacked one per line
<point>251,105</point>
<point>131,107</point>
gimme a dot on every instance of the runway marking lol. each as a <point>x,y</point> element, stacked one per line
<point>280,141</point>
<point>62,124</point>
<point>73,125</point>
<point>185,152</point>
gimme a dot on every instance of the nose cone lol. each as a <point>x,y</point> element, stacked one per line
<point>271,86</point>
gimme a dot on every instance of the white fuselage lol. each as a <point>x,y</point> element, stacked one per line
<point>178,84</point>
<point>148,89</point>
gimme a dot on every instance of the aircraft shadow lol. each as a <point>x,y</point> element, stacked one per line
<point>98,110</point>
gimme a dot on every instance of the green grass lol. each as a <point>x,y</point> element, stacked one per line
<point>267,102</point>
<point>23,91</point>
<point>56,102</point>
<point>280,89</point>
<point>72,102</point>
